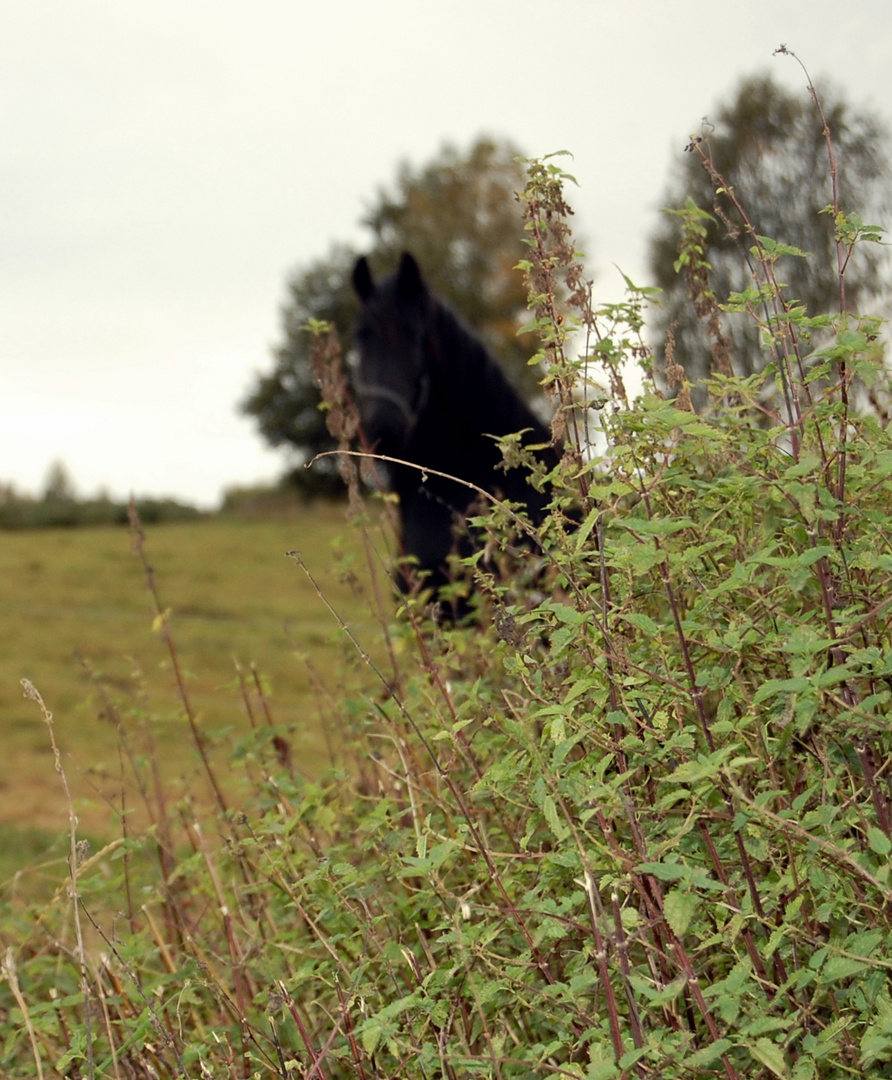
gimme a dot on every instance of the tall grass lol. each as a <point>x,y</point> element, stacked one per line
<point>76,620</point>
<point>638,827</point>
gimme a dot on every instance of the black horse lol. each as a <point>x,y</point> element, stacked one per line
<point>429,393</point>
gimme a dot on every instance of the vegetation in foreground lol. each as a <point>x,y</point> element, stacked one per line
<point>639,828</point>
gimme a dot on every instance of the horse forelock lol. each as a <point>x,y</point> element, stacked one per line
<point>393,375</point>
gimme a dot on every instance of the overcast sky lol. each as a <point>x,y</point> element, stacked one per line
<point>165,165</point>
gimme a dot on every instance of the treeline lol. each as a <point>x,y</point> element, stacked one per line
<point>50,512</point>
<point>59,506</point>
<point>62,509</point>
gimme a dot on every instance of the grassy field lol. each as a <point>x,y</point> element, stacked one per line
<point>77,620</point>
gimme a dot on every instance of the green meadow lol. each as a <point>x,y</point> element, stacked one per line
<point>254,641</point>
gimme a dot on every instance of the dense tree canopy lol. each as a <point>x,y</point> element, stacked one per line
<point>768,143</point>
<point>285,401</point>
<point>460,218</point>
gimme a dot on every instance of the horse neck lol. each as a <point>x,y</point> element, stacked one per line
<point>466,375</point>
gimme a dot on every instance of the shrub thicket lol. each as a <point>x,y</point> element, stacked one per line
<point>640,827</point>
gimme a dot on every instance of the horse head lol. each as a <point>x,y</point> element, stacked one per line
<point>393,377</point>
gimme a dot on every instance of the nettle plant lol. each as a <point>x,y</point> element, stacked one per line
<point>712,719</point>
<point>636,823</point>
<point>645,828</point>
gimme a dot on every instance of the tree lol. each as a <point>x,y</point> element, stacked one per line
<point>285,401</point>
<point>769,145</point>
<point>58,485</point>
<point>460,218</point>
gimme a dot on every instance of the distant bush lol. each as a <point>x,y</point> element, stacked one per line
<point>286,497</point>
<point>19,512</point>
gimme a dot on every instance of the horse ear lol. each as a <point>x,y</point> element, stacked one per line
<point>363,284</point>
<point>409,279</point>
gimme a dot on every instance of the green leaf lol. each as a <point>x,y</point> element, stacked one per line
<point>879,842</point>
<point>774,248</point>
<point>370,1033</point>
<point>810,557</point>
<point>838,968</point>
<point>584,530</point>
<point>664,871</point>
<point>690,772</point>
<point>644,557</point>
<point>656,526</point>
<point>557,826</point>
<point>708,1054</point>
<point>770,1055</point>
<point>642,622</point>
<point>772,687</point>
<point>680,907</point>
<point>602,1070</point>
